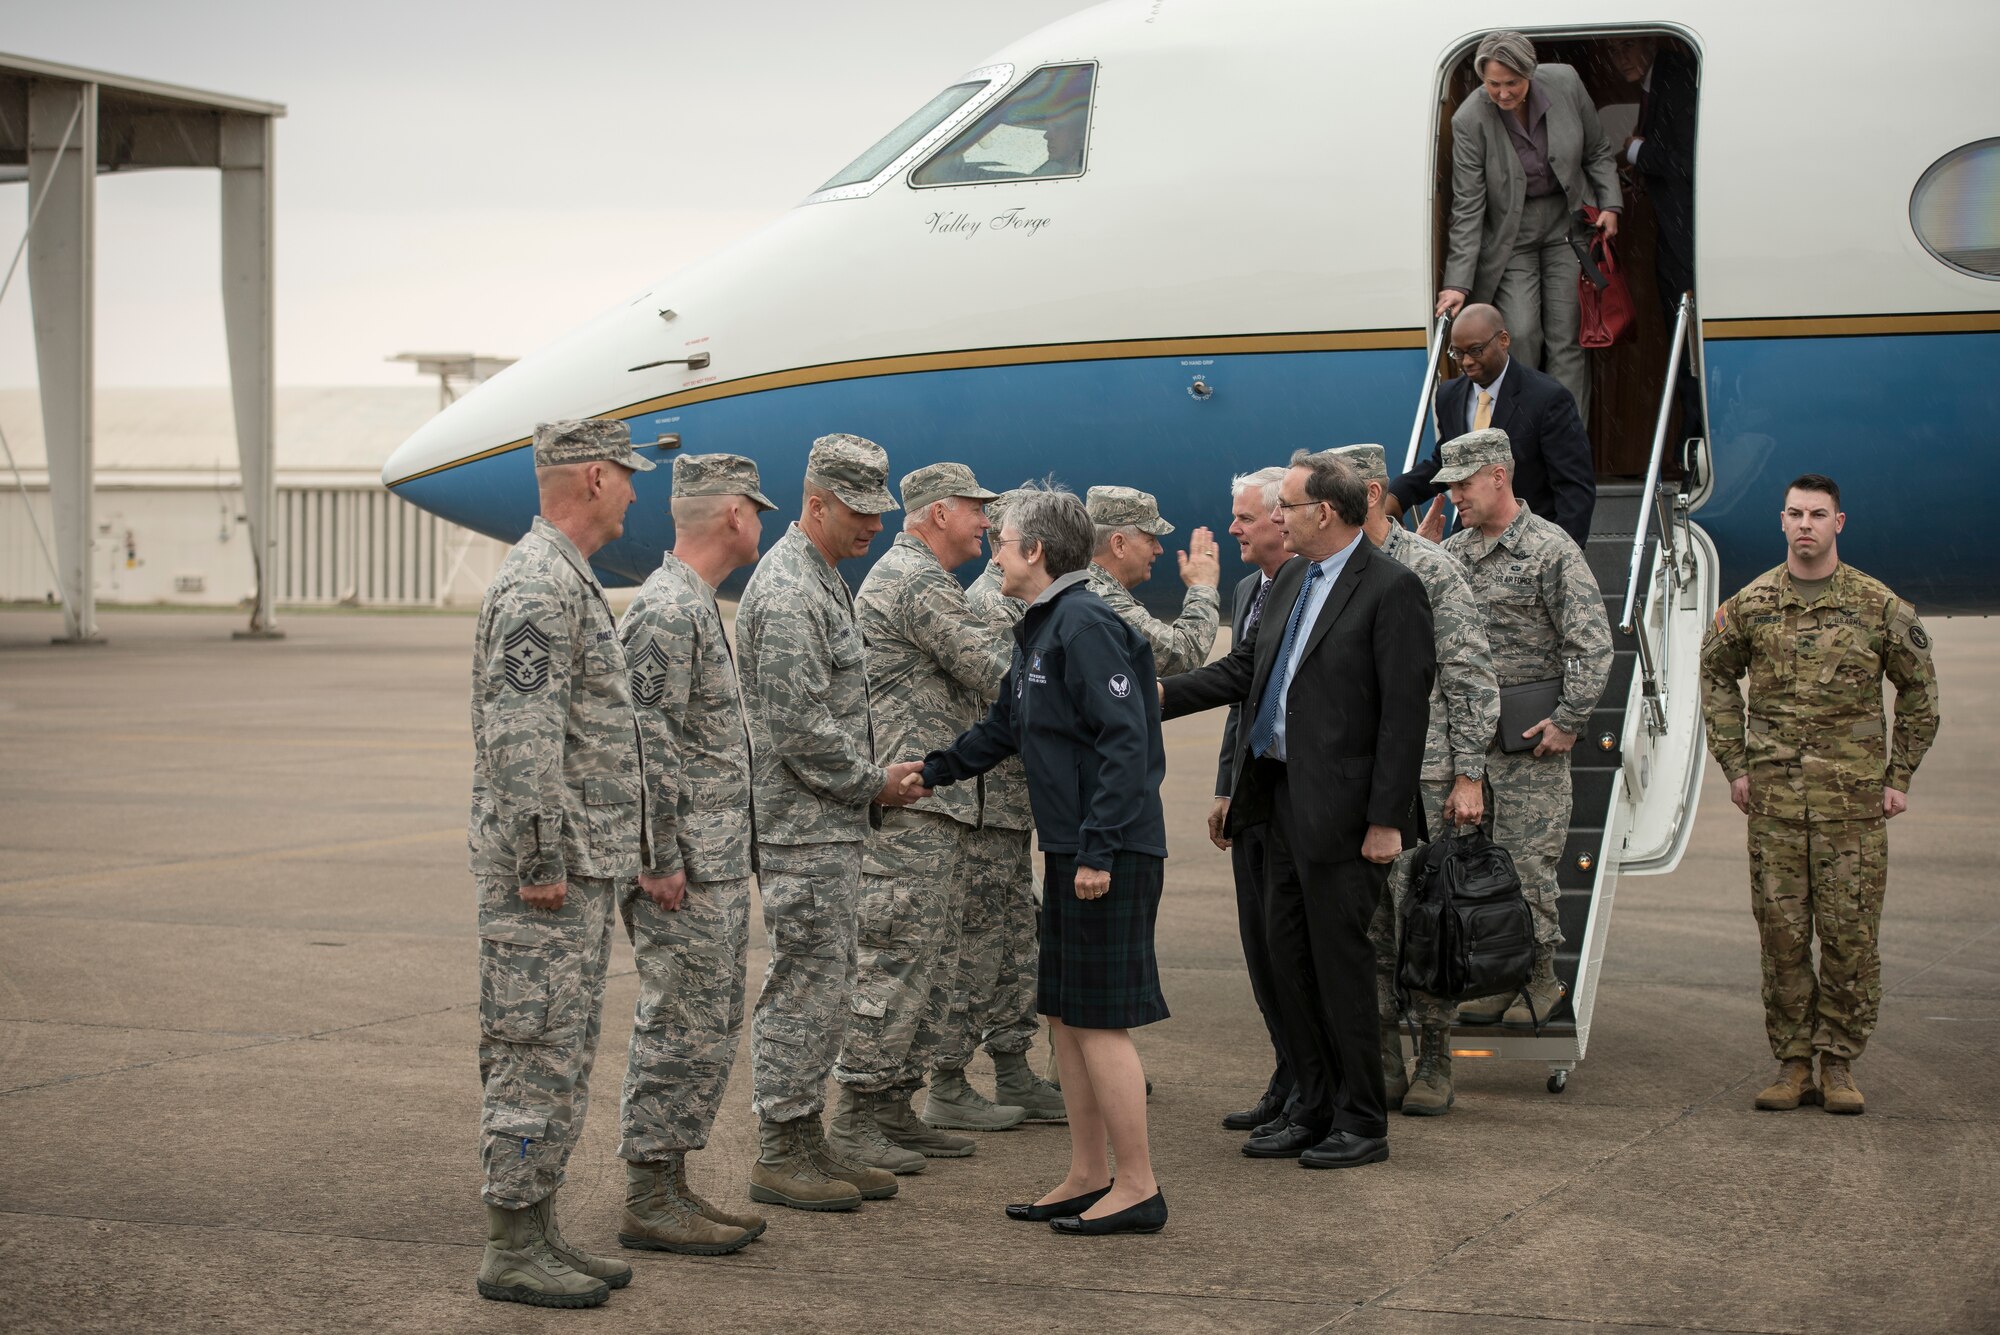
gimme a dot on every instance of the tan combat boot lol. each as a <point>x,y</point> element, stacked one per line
<point>520,1267</point>
<point>1395,1076</point>
<point>956,1106</point>
<point>857,1140</point>
<point>1016,1083</point>
<point>786,1174</point>
<point>1837,1090</point>
<point>753,1224</point>
<point>1483,1010</point>
<point>659,1217</point>
<point>1431,1094</point>
<point>1793,1086</point>
<point>873,1184</point>
<point>614,1272</point>
<point>902,1125</point>
<point>1544,993</point>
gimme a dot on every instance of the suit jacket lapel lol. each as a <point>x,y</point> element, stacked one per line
<point>1451,413</point>
<point>1337,597</point>
<point>1503,408</point>
<point>1271,625</point>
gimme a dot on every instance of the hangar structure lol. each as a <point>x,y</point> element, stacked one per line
<point>60,128</point>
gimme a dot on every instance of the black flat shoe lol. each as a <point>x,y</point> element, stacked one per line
<point>1148,1216</point>
<point>1252,1118</point>
<point>1272,1127</point>
<point>1344,1149</point>
<point>1041,1214</point>
<point>1288,1142</point>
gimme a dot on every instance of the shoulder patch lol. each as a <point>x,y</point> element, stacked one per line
<point>1722,619</point>
<point>649,675</point>
<point>525,658</point>
<point>1121,685</point>
<point>1918,638</point>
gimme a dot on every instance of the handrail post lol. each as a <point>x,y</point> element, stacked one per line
<point>1625,622</point>
<point>1424,394</point>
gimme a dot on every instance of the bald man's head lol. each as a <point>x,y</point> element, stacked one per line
<point>1480,320</point>
<point>1479,343</point>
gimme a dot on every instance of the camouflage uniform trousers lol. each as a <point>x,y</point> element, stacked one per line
<point>993,996</point>
<point>1825,879</point>
<point>1385,928</point>
<point>809,894</point>
<point>912,901</point>
<point>1528,803</point>
<point>689,1018</point>
<point>541,1003</point>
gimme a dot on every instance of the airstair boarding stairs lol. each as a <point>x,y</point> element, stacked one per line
<point>1635,775</point>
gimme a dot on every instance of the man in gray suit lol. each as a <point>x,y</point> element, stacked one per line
<point>1527,151</point>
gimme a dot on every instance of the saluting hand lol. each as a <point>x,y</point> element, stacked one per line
<point>1199,563</point>
<point>1432,524</point>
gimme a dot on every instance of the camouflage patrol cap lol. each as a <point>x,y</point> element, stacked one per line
<point>937,482</point>
<point>1118,507</point>
<point>1367,461</point>
<point>586,440</point>
<point>854,469</point>
<point>1462,456</point>
<point>718,475</point>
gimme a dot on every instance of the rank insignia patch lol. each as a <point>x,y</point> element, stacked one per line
<point>649,676</point>
<point>525,653</point>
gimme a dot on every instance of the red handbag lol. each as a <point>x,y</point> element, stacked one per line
<point>1606,315</point>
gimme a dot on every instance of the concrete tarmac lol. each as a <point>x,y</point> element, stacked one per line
<point>238,1091</point>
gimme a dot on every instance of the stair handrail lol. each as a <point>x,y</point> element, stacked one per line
<point>1684,316</point>
<point>1424,393</point>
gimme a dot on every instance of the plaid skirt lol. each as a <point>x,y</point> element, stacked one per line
<point>1098,970</point>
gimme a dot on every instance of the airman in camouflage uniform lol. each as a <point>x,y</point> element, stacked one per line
<point>558,819</point>
<point>1810,768</point>
<point>690,936</point>
<point>932,667</point>
<point>815,781</point>
<point>1464,712</point>
<point>1544,620</point>
<point>1129,529</point>
<point>993,998</point>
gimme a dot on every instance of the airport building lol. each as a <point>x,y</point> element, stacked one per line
<point>169,516</point>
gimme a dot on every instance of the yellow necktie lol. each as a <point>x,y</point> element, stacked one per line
<point>1482,417</point>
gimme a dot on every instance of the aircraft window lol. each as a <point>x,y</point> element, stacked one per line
<point>893,144</point>
<point>1955,209</point>
<point>1038,131</point>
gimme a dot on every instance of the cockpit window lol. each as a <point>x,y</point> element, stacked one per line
<point>891,145</point>
<point>1038,131</point>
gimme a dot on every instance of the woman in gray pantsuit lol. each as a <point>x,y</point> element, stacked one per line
<point>1527,151</point>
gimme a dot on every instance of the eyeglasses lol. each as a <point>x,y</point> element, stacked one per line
<point>1474,350</point>
<point>997,543</point>
<point>1293,505</point>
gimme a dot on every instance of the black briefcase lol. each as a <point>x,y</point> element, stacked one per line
<point>1524,705</point>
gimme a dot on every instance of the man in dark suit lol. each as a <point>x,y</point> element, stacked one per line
<point>1335,684</point>
<point>1553,469</point>
<point>1261,542</point>
<point>1660,151</point>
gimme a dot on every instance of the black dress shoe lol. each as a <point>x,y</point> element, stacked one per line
<point>1290,1142</point>
<point>1344,1149</point>
<point>1041,1214</point>
<point>1272,1127</point>
<point>1250,1119</point>
<point>1148,1216</point>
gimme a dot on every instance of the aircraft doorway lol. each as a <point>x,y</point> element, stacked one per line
<point>1628,77</point>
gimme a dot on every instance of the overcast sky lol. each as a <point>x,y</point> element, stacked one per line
<point>476,178</point>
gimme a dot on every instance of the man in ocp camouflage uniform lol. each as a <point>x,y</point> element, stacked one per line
<point>558,821</point>
<point>932,667</point>
<point>1129,529</point>
<point>1465,710</point>
<point>1544,621</point>
<point>1816,637</point>
<point>690,931</point>
<point>993,996</point>
<point>815,781</point>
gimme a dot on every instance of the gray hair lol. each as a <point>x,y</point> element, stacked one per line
<point>1049,515</point>
<point>1102,534</point>
<point>912,518</point>
<point>1511,49</point>
<point>1334,481</point>
<point>698,512</point>
<point>1265,478</point>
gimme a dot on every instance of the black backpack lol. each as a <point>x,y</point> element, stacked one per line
<point>1467,929</point>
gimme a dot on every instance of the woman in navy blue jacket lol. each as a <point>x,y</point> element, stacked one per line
<point>1081,708</point>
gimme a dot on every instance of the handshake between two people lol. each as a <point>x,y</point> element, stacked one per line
<point>904,785</point>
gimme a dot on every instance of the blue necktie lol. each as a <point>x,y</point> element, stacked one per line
<point>1265,727</point>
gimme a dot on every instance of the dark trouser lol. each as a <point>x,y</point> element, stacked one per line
<point>1246,857</point>
<point>1673,273</point>
<point>1316,925</point>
